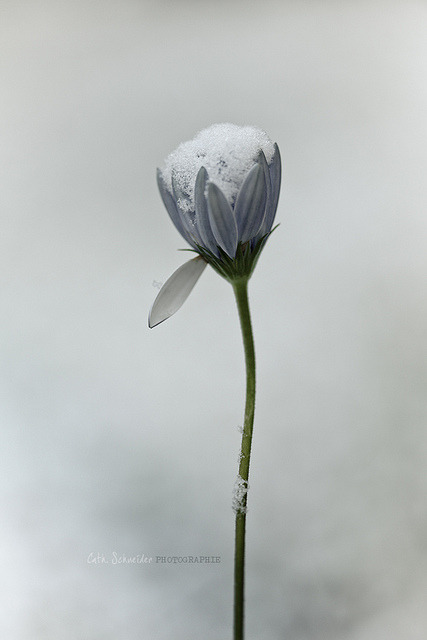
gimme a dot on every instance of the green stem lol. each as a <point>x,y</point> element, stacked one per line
<point>240,499</point>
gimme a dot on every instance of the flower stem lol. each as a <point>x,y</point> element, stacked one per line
<point>240,287</point>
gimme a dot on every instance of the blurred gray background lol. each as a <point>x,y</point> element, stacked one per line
<point>115,438</point>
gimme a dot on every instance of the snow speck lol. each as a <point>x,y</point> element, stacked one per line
<point>227,151</point>
<point>239,492</point>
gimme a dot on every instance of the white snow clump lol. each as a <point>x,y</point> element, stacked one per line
<point>227,151</point>
<point>240,490</point>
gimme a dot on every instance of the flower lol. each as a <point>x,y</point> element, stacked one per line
<point>221,191</point>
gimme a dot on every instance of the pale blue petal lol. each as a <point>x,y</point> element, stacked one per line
<point>276,177</point>
<point>275,170</point>
<point>202,213</point>
<point>172,209</point>
<point>222,220</point>
<point>263,162</point>
<point>187,217</point>
<point>175,291</point>
<point>250,204</point>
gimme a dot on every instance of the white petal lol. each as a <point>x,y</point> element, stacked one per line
<point>176,290</point>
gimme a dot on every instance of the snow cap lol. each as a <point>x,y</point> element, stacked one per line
<point>227,151</point>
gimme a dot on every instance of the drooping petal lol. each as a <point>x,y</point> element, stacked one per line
<point>222,220</point>
<point>172,209</point>
<point>275,170</point>
<point>250,205</point>
<point>202,214</point>
<point>176,290</point>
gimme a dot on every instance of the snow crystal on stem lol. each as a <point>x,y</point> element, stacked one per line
<point>227,152</point>
<point>240,490</point>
